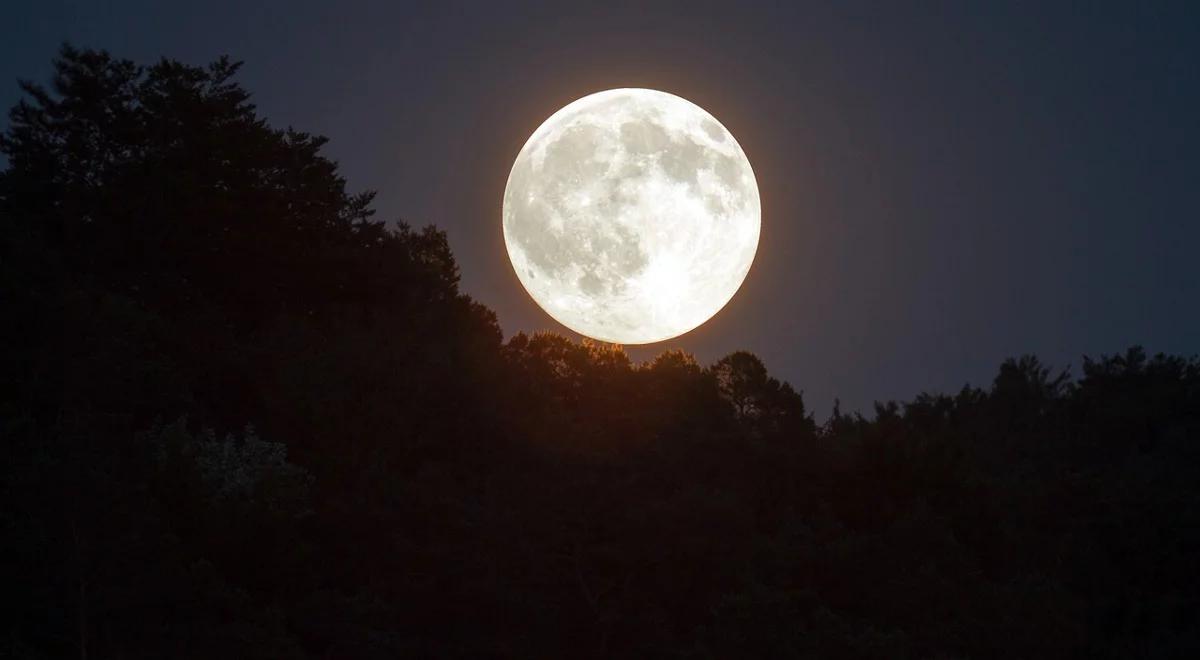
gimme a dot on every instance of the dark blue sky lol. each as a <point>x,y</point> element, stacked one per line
<point>944,184</point>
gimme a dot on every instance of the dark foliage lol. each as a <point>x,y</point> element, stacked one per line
<point>242,419</point>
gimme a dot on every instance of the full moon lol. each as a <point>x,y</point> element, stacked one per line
<point>631,216</point>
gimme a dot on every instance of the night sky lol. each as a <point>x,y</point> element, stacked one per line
<point>943,186</point>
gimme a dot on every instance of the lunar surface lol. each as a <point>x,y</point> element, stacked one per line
<point>631,216</point>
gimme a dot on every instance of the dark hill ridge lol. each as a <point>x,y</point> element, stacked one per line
<point>241,418</point>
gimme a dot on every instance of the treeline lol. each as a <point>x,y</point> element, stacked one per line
<point>242,418</point>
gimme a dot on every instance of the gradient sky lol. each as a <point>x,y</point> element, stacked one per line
<point>944,184</point>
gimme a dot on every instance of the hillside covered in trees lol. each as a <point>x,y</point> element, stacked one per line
<point>242,418</point>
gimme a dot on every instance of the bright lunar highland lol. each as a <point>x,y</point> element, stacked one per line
<point>631,216</point>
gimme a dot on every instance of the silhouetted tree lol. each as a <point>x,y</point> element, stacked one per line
<point>758,399</point>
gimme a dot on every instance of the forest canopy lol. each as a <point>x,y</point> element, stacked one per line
<point>242,417</point>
